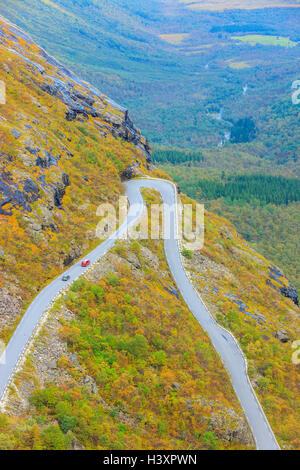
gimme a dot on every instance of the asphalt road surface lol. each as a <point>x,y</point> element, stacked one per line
<point>223,342</point>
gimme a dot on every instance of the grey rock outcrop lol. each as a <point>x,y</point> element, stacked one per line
<point>288,291</point>
<point>282,336</point>
<point>291,293</point>
<point>73,254</point>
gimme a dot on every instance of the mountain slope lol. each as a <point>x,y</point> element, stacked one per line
<point>61,142</point>
<point>188,76</point>
<point>64,149</point>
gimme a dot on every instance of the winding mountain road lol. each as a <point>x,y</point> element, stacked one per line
<point>222,340</point>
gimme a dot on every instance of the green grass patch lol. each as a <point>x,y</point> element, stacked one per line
<point>254,39</point>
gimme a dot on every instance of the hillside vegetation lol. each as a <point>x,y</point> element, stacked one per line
<point>242,289</point>
<point>182,91</point>
<point>121,363</point>
<point>264,208</point>
<point>129,367</point>
<point>195,85</point>
<point>61,143</point>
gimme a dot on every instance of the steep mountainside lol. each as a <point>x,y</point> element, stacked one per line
<point>65,148</point>
<point>189,75</point>
<point>61,143</point>
<point>121,363</point>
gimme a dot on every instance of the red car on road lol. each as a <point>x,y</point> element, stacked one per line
<point>85,263</point>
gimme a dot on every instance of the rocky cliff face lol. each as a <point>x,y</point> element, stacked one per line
<point>25,62</point>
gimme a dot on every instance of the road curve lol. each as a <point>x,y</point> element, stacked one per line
<point>222,340</point>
